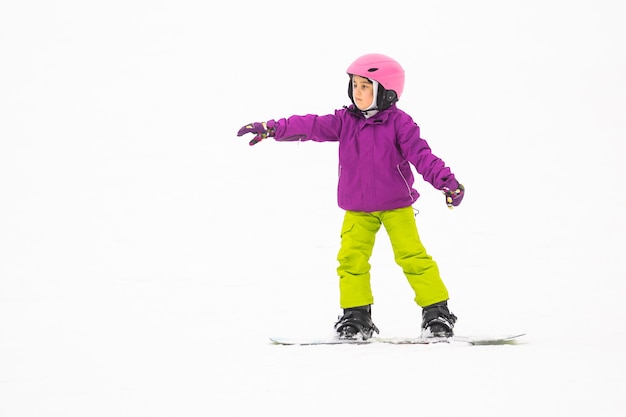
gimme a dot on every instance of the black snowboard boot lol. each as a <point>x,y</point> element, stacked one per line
<point>356,323</point>
<point>437,321</point>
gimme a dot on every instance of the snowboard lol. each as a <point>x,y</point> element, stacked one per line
<point>506,339</point>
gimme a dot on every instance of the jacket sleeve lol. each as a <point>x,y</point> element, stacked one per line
<point>308,127</point>
<point>417,151</point>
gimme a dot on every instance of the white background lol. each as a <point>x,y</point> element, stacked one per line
<point>147,253</point>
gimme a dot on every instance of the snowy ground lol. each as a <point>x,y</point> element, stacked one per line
<point>148,253</point>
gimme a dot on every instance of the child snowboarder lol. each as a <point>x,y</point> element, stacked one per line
<point>377,144</point>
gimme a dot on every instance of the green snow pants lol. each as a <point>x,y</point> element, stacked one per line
<point>358,234</point>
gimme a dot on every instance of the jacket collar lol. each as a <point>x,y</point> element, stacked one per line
<point>380,116</point>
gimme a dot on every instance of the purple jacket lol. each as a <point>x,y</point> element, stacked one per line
<point>374,156</point>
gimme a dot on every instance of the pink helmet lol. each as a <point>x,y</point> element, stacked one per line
<point>383,69</point>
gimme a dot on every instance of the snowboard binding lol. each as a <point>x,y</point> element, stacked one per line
<point>356,324</point>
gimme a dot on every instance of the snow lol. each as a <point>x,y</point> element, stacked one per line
<point>148,253</point>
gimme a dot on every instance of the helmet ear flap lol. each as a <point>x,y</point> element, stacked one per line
<point>391,96</point>
<point>350,88</point>
<point>386,98</point>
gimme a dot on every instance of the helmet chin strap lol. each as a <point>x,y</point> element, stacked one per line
<point>369,113</point>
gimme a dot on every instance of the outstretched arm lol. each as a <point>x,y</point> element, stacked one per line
<point>295,128</point>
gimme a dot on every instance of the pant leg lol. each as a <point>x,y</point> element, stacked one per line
<point>420,269</point>
<point>358,234</point>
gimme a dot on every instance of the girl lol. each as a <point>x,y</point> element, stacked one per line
<point>377,142</point>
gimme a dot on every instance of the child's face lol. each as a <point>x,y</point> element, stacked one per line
<point>362,92</point>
